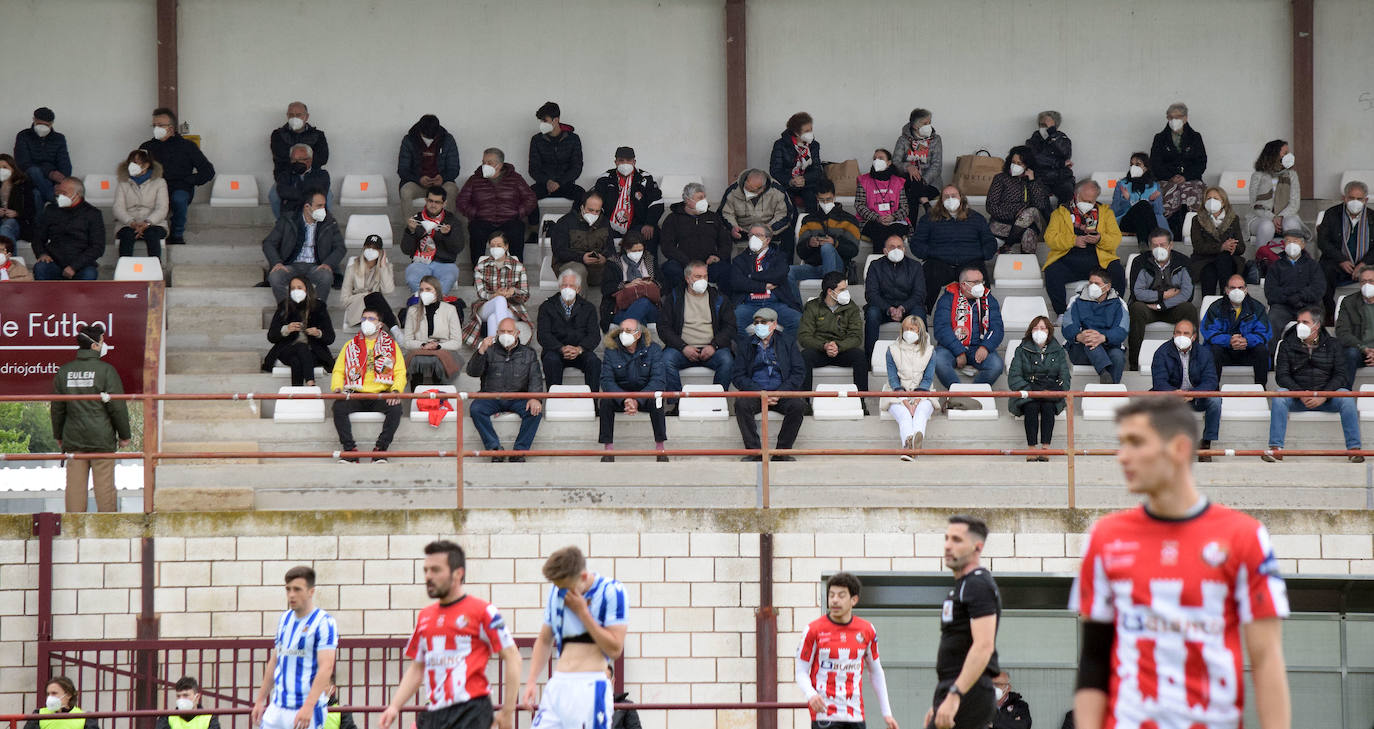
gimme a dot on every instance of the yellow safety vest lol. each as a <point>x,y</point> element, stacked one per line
<point>196,722</point>
<point>331,719</point>
<point>77,723</point>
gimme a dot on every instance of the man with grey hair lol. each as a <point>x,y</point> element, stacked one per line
<point>296,130</point>
<point>1082,235</point>
<point>1052,155</point>
<point>758,279</point>
<point>292,184</point>
<point>755,199</point>
<point>694,232</point>
<point>70,236</point>
<point>1177,159</point>
<point>569,331</point>
<point>1309,359</point>
<point>1343,238</point>
<point>496,198</point>
<point>581,240</point>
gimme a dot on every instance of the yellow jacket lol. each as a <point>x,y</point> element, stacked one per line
<point>1059,235</point>
<point>370,383</point>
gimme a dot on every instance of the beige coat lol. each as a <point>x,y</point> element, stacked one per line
<point>138,203</point>
<point>17,272</point>
<point>448,330</point>
<point>359,281</point>
<point>768,208</point>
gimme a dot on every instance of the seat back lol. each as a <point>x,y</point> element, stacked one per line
<point>363,190</point>
<point>138,268</point>
<point>1148,348</point>
<point>422,416</point>
<point>100,189</point>
<point>361,226</point>
<point>878,362</point>
<point>1107,181</point>
<point>1236,183</point>
<point>671,186</point>
<point>232,190</point>
<point>1019,311</point>
<point>569,409</point>
<point>1017,271</point>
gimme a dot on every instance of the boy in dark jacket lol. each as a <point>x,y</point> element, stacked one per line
<point>1182,364</point>
<point>1310,359</point>
<point>555,156</point>
<point>90,426</point>
<point>829,238</point>
<point>184,168</point>
<point>831,332</point>
<point>1237,328</point>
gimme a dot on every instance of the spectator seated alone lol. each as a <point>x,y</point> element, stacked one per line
<point>40,152</point>
<point>1039,364</point>
<point>70,237</point>
<point>555,156</point>
<point>301,332</point>
<point>968,329</point>
<point>1018,204</point>
<point>307,244</point>
<point>428,158</point>
<point>1052,156</point>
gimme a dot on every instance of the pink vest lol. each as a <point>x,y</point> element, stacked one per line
<point>883,197</point>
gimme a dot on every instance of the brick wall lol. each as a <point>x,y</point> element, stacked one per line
<point>692,577</point>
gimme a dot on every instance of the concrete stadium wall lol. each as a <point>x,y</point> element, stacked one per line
<point>651,75</point>
<point>692,577</point>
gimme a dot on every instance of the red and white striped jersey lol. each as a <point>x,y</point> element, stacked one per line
<point>454,642</point>
<point>1178,592</point>
<point>830,662</point>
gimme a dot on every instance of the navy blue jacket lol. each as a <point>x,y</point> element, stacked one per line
<point>944,330</point>
<point>408,159</point>
<point>790,363</point>
<point>1166,372</point>
<point>638,371</point>
<point>891,284</point>
<point>1109,318</point>
<point>184,167</point>
<point>955,242</point>
<point>744,280</point>
<point>784,158</point>
<point>46,153</point>
<point>1294,284</point>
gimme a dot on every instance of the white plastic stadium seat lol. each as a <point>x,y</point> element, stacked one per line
<point>421,416</point>
<point>361,226</point>
<point>363,190</point>
<point>671,186</point>
<point>282,372</point>
<point>1018,311</point>
<point>702,408</point>
<point>138,268</point>
<point>1321,215</point>
<point>1366,404</point>
<point>1188,227</point>
<point>100,189</point>
<point>1244,408</point>
<point>1102,408</point>
<point>1147,354</point>
<point>837,408</point>
<point>1017,271</point>
<point>1207,302</point>
<point>878,362</point>
<point>1236,183</point>
<point>1337,318</point>
<point>299,411</point>
<point>989,405</point>
<point>569,408</point>
<point>234,191</point>
<point>869,262</point>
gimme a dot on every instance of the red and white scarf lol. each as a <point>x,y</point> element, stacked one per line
<point>1083,222</point>
<point>961,314</point>
<point>919,154</point>
<point>424,252</point>
<point>382,361</point>
<point>624,212</point>
<point>803,156</point>
<point>758,267</point>
<point>5,269</point>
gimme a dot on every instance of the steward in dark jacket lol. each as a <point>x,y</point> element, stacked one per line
<point>562,326</point>
<point>184,166</point>
<point>557,159</point>
<point>89,426</point>
<point>283,139</point>
<point>688,237</point>
<point>410,159</point>
<point>72,237</point>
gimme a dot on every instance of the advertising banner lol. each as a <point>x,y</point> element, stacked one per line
<point>39,322</point>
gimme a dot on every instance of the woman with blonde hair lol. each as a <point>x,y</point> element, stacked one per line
<point>911,369</point>
<point>1218,246</point>
<point>1040,363</point>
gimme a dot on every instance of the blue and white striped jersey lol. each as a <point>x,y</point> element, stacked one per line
<point>298,642</point>
<point>605,601</point>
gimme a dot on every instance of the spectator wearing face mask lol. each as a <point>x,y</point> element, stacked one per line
<point>1178,158</point>
<point>759,279</point>
<point>1275,193</point>
<point>630,289</point>
<point>633,363</point>
<point>1355,325</point>
<point>433,239</point>
<point>1082,236</point>
<point>505,365</point>
<point>140,205</point>
<point>569,330</point>
<point>11,268</point>
<point>911,370</point>
<point>308,244</point>
<point>919,158</point>
<point>17,208</point>
<point>894,288</point>
<point>1096,325</point>
<point>432,338</point>
<point>1161,290</point>
<point>795,162</point>
<point>631,199</point>
<point>1039,364</point>
<point>367,281</point>
<point>693,232</point>
<point>70,237</point>
<point>753,200</point>
<point>371,362</point>
<point>828,241</point>
<point>831,332</point>
<point>1137,201</point>
<point>188,700</point>
<point>496,198</point>
<point>880,200</point>
<point>184,167</point>
<point>90,426</point>
<point>1292,283</point>
<point>428,158</point>
<point>1018,204</point>
<point>61,698</point>
<point>297,130</point>
<point>1309,359</point>
<point>1218,246</point>
<point>41,153</point>
<point>1343,238</point>
<point>301,332</point>
<point>951,237</point>
<point>299,177</point>
<point>767,359</point>
<point>1012,710</point>
<point>1052,155</point>
<point>555,156</point>
<point>333,718</point>
<point>697,326</point>
<point>1237,329</point>
<point>968,328</point>
<point>503,289</point>
<point>1181,365</point>
<point>581,241</point>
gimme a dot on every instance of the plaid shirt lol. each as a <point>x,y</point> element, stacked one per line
<point>489,277</point>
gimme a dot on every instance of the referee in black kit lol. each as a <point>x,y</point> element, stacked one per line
<point>967,661</point>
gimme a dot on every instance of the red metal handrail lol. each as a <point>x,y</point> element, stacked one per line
<point>138,713</point>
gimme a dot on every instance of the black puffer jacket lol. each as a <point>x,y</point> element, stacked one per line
<point>73,236</point>
<point>1300,367</point>
<point>184,166</point>
<point>283,139</point>
<point>1166,160</point>
<point>1013,714</point>
<point>556,158</point>
<point>1049,153</point>
<point>687,237</point>
<point>503,370</point>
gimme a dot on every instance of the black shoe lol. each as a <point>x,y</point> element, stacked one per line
<point>498,459</point>
<point>1357,459</point>
<point>608,459</point>
<point>662,459</point>
<point>262,285</point>
<point>754,459</point>
<point>783,458</point>
<point>177,241</point>
<point>516,459</point>
<point>671,412</point>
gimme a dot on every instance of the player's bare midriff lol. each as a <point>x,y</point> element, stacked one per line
<point>580,658</point>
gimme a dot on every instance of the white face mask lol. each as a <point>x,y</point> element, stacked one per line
<point>63,201</point>
<point>1137,171</point>
<point>1182,342</point>
<point>635,255</point>
<point>298,295</point>
<point>1304,330</point>
<point>896,255</point>
<point>1094,292</point>
<point>496,252</point>
<point>1213,205</point>
<point>184,704</point>
<point>1236,296</point>
<point>627,338</point>
<point>319,214</point>
<point>1176,125</point>
<point>808,137</point>
<point>998,693</point>
<point>488,171</point>
<point>843,297</point>
<point>5,173</point>
<point>1293,250</point>
<point>369,327</point>
<point>568,293</point>
<point>826,207</point>
<point>54,704</point>
<point>104,348</point>
<point>159,133</point>
<point>701,205</point>
<point>1040,336</point>
<point>428,225</point>
<point>1044,132</point>
<point>591,218</point>
<point>1288,160</point>
<point>1085,207</point>
<point>506,339</point>
<point>910,336</point>
<point>371,254</point>
<point>625,168</point>
<point>1016,170</point>
<point>134,169</point>
<point>545,127</point>
<point>977,290</point>
<point>750,195</point>
<point>1367,290</point>
<point>762,330</point>
<point>755,243</point>
<point>1161,254</point>
<point>699,285</point>
<point>42,130</point>
<point>296,123</point>
<point>427,297</point>
<point>1354,207</point>
<point>951,204</point>
<point>925,130</point>
<point>879,165</point>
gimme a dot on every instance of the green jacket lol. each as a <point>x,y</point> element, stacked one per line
<point>89,425</point>
<point>844,326</point>
<point>1032,369</point>
<point>1350,322</point>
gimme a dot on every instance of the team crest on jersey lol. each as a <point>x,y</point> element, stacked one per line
<point>1214,554</point>
<point>440,622</point>
<point>859,637</point>
<point>1168,553</point>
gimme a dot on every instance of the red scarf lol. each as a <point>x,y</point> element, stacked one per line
<point>758,266</point>
<point>425,251</point>
<point>1083,222</point>
<point>919,154</point>
<point>961,314</point>
<point>383,361</point>
<point>5,269</point>
<point>803,156</point>
<point>624,212</point>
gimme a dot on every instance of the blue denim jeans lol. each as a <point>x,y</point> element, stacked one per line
<point>830,261</point>
<point>1281,406</point>
<point>1354,360</point>
<point>482,410</point>
<point>1211,419</point>
<point>42,186</point>
<point>179,200</point>
<point>44,271</point>
<point>642,311</point>
<point>674,361</point>
<point>447,273</point>
<point>1103,358</point>
<point>9,227</point>
<point>947,374</point>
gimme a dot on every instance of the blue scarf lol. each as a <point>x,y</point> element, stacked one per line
<point>140,179</point>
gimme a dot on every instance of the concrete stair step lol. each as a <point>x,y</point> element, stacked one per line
<point>191,361</point>
<point>215,446</point>
<point>178,410</point>
<point>201,276</point>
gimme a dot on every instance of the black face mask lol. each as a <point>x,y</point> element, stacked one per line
<point>298,168</point>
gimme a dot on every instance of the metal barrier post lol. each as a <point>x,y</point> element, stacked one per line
<point>458,426</point>
<point>152,350</point>
<point>1069,448</point>
<point>763,448</point>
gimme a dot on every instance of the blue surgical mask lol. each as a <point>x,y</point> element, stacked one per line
<point>761,330</point>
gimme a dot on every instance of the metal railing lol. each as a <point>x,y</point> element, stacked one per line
<point>460,452</point>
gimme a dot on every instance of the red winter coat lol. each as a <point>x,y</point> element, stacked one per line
<point>499,199</point>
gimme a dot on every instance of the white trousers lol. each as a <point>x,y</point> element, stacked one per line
<point>495,311</point>
<point>909,424</point>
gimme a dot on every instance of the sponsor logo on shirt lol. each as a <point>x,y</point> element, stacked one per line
<point>1143,620</point>
<point>843,664</point>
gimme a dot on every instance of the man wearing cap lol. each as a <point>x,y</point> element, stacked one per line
<point>90,426</point>
<point>631,199</point>
<point>768,359</point>
<point>41,153</point>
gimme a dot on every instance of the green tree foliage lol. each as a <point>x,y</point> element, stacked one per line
<point>12,437</point>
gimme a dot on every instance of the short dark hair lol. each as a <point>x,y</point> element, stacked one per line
<point>832,279</point>
<point>301,572</point>
<point>847,580</point>
<point>1101,273</point>
<point>1168,416</point>
<point>315,192</point>
<point>456,558</point>
<point>972,267</point>
<point>1160,233</point>
<point>797,121</point>
<point>825,185</point>
<point>549,110</point>
<point>7,244</point>
<point>164,111</point>
<point>917,113</point>
<point>187,683</point>
<point>975,525</point>
<point>592,194</point>
<point>90,334</point>
<point>67,686</point>
<point>437,190</point>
